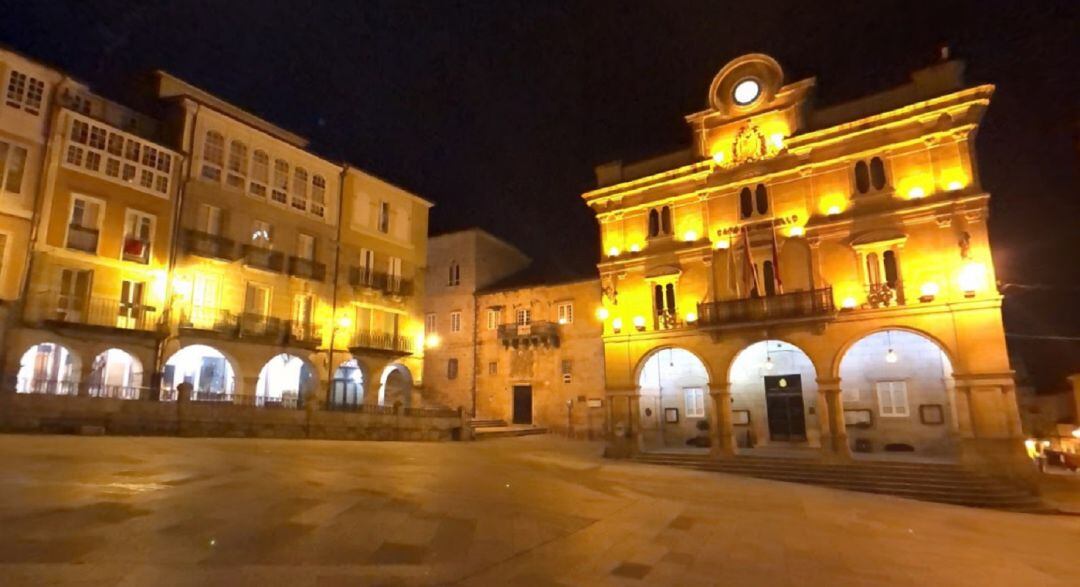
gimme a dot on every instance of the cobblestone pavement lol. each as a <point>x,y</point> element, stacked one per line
<point>523,511</point>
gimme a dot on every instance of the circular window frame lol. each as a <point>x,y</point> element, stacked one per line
<point>757,95</point>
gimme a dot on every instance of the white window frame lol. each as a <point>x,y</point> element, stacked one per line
<point>430,323</point>
<point>494,316</point>
<point>382,221</point>
<point>131,213</point>
<point>5,166</point>
<point>236,176</point>
<point>264,229</point>
<point>71,214</point>
<point>523,316</point>
<point>150,173</point>
<point>300,241</point>
<point>213,167</point>
<point>267,304</point>
<point>887,392</point>
<point>24,97</point>
<point>393,274</point>
<point>695,401</point>
<point>455,321</point>
<point>565,313</point>
<point>260,184</point>
<point>367,266</point>
<point>206,213</point>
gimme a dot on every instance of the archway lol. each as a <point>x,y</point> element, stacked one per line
<point>347,388</point>
<point>207,369</point>
<point>48,367</point>
<point>283,381</point>
<point>774,395</point>
<point>898,387</point>
<point>116,373</point>
<point>673,384</point>
<point>397,384</point>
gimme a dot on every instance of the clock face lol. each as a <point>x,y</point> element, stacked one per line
<point>746,91</point>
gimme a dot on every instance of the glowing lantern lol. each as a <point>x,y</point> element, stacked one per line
<point>691,317</point>
<point>602,313</point>
<point>613,252</point>
<point>639,323</point>
<point>971,278</point>
<point>833,210</point>
<point>891,356</point>
<point>616,325</point>
<point>690,236</point>
<point>718,157</point>
<point>432,341</point>
<point>723,243</point>
<point>928,291</point>
<point>848,303</point>
<point>777,140</point>
<point>634,248</point>
<point>916,192</point>
<point>796,231</point>
<point>768,365</point>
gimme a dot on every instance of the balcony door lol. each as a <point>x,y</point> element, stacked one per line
<point>303,307</point>
<point>74,295</point>
<point>130,310</point>
<point>204,297</point>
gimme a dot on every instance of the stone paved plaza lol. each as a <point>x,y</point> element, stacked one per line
<point>524,511</point>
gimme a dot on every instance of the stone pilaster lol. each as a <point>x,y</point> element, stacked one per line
<point>836,446</point>
<point>721,426</point>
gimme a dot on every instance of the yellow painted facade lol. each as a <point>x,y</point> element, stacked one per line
<point>860,218</point>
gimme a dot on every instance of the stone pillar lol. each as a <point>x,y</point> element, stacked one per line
<point>248,393</point>
<point>624,438</point>
<point>989,426</point>
<point>86,372</point>
<point>721,426</point>
<point>836,446</point>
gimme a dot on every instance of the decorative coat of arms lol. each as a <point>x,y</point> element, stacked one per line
<point>749,145</point>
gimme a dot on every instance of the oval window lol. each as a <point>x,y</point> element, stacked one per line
<point>746,203</point>
<point>746,92</point>
<point>762,197</point>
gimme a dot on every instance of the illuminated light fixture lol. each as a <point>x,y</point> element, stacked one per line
<point>634,248</point>
<point>690,236</point>
<point>916,192</point>
<point>616,325</point>
<point>691,317</point>
<point>971,278</point>
<point>562,320</point>
<point>613,252</point>
<point>890,355</point>
<point>718,157</point>
<point>344,322</point>
<point>833,210</point>
<point>848,303</point>
<point>768,365</point>
<point>796,231</point>
<point>783,382</point>
<point>639,323</point>
<point>746,91</point>
<point>723,243</point>
<point>928,291</point>
<point>954,185</point>
<point>602,313</point>
<point>1076,433</point>
<point>432,341</point>
<point>777,140</point>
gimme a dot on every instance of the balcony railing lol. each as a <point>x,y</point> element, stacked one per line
<point>117,391</point>
<point>287,401</point>
<point>789,306</point>
<point>210,319</point>
<point>254,325</point>
<point>46,386</point>
<point>380,281</point>
<point>304,334</point>
<point>382,341</point>
<point>136,250</point>
<point>261,258</point>
<point>532,334</point>
<point>306,268</point>
<point>93,311</point>
<point>209,245</point>
<point>82,238</point>
<point>883,295</point>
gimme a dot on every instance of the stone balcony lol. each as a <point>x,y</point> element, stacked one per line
<point>816,304</point>
<point>533,334</point>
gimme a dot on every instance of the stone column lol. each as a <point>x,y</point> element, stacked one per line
<point>721,426</point>
<point>86,371</point>
<point>624,436</point>
<point>836,446</point>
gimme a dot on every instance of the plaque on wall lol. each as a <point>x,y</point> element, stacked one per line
<point>932,414</point>
<point>858,418</point>
<point>595,402</point>
<point>740,417</point>
<point>671,415</point>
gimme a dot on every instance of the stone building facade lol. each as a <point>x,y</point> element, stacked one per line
<point>198,244</point>
<point>806,276</point>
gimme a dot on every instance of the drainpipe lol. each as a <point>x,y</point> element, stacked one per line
<point>476,355</point>
<point>334,293</point>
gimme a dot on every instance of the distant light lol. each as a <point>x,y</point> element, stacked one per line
<point>1076,433</point>
<point>723,243</point>
<point>634,248</point>
<point>891,356</point>
<point>690,236</point>
<point>616,325</point>
<point>833,210</point>
<point>613,252</point>
<point>344,322</point>
<point>796,231</point>
<point>849,303</point>
<point>971,278</point>
<point>718,157</point>
<point>691,317</point>
<point>639,323</point>
<point>777,140</point>
<point>928,291</point>
<point>602,313</point>
<point>954,185</point>
<point>916,192</point>
<point>562,320</point>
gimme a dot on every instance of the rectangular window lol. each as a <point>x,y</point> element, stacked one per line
<point>305,246</point>
<point>493,368</point>
<point>429,323</point>
<point>367,266</point>
<point>257,300</point>
<point>303,313</point>
<point>280,191</point>
<point>523,317</point>
<point>85,224</point>
<point>130,311</point>
<point>451,369</point>
<point>12,164</point>
<point>74,294</point>
<point>384,217</point>
<point>494,317</point>
<point>261,234</point>
<point>211,219</point>
<point>892,399</point>
<point>695,402</point>
<point>567,368</point>
<point>35,92</point>
<point>393,281</point>
<point>566,313</point>
<point>138,236</point>
<point>455,321</point>
<point>16,90</point>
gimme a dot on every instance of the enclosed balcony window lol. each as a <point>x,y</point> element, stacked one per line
<point>237,173</point>
<point>213,155</point>
<point>138,234</point>
<point>260,174</point>
<point>83,227</point>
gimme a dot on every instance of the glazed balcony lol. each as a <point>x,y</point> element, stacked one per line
<point>265,259</point>
<point>534,334</point>
<point>307,269</point>
<point>81,238</point>
<point>384,343</point>
<point>794,306</point>
<point>204,244</point>
<point>99,313</point>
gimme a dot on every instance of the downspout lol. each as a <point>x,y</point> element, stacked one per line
<point>476,354</point>
<point>334,293</point>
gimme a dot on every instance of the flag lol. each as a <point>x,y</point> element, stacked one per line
<point>750,274</point>
<point>776,262</point>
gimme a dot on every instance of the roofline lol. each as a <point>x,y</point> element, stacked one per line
<point>557,282</point>
<point>479,231</point>
<point>424,202</point>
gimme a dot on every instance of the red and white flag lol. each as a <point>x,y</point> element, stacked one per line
<point>776,262</point>
<point>750,271</point>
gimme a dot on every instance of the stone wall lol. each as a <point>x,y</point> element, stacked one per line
<point>31,413</point>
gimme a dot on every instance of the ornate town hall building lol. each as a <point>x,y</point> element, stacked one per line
<point>808,277</point>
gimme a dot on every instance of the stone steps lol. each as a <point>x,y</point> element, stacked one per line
<point>488,424</point>
<point>936,482</point>
<point>506,432</point>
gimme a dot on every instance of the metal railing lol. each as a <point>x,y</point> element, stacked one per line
<point>46,386</point>
<point>260,326</point>
<point>361,408</point>
<point>82,238</point>
<point>92,311</point>
<point>533,333</point>
<point>261,258</point>
<point>304,333</point>
<point>789,306</point>
<point>205,244</point>
<point>382,341</point>
<point>380,280</point>
<point>286,401</point>
<point>879,295</point>
<point>209,319</point>
<point>307,268</point>
<point>117,391</point>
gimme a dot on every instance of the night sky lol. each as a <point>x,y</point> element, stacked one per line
<point>498,111</point>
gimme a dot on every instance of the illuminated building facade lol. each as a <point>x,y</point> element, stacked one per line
<point>808,277</point>
<point>203,245</point>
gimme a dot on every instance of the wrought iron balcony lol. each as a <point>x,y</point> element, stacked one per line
<point>883,295</point>
<point>306,268</point>
<point>254,325</point>
<point>265,259</point>
<point>82,238</point>
<point>209,245</point>
<point>817,303</point>
<point>534,334</point>
<point>381,342</point>
<point>364,277</point>
<point>304,334</point>
<point>59,309</point>
<point>136,250</point>
<point>209,319</point>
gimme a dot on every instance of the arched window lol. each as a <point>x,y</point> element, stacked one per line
<point>762,196</point>
<point>213,155</point>
<point>237,165</point>
<point>892,274</point>
<point>658,298</point>
<point>454,277</point>
<point>670,290</point>
<point>318,195</point>
<point>654,223</point>
<point>280,193</point>
<point>300,189</point>
<point>873,272</point>
<point>877,173</point>
<point>665,220</point>
<point>769,276</point>
<point>746,203</point>
<point>260,174</point>
<point>862,177</point>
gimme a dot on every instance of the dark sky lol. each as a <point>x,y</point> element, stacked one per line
<point>497,111</point>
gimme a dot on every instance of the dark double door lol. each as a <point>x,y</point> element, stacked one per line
<point>522,404</point>
<point>784,405</point>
